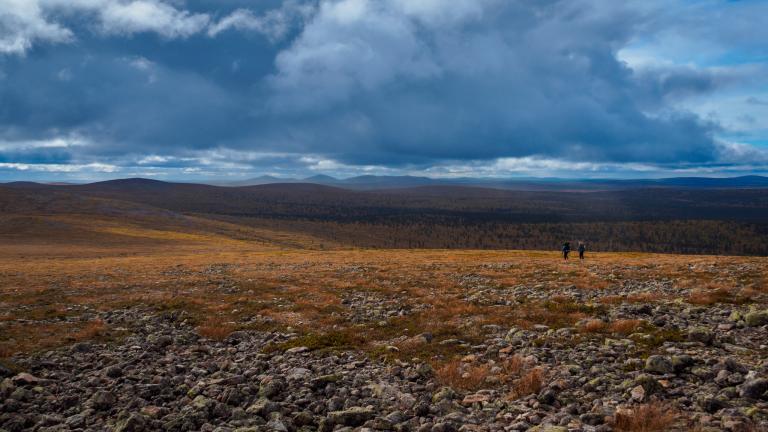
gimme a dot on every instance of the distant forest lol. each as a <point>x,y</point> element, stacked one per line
<point>670,220</point>
<point>684,237</point>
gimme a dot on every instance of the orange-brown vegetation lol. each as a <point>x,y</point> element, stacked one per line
<point>89,331</point>
<point>651,417</point>
<point>467,375</point>
<point>594,326</point>
<point>216,329</point>
<point>707,297</point>
<point>622,326</point>
<point>463,376</point>
<point>530,382</point>
<point>270,279</point>
<point>625,326</point>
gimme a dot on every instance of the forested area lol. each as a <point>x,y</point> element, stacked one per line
<point>681,236</point>
<point>691,221</point>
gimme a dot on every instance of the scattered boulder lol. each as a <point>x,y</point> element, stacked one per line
<point>701,334</point>
<point>649,384</point>
<point>755,388</point>
<point>103,400</point>
<point>756,318</point>
<point>113,372</point>
<point>712,404</point>
<point>659,364</point>
<point>353,417</point>
<point>134,423</point>
<point>682,362</point>
<point>25,379</point>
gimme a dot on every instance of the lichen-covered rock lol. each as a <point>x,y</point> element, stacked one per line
<point>354,416</point>
<point>659,364</point>
<point>756,318</point>
<point>754,389</point>
<point>701,334</point>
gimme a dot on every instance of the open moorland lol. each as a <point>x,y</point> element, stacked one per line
<point>688,220</point>
<point>119,315</point>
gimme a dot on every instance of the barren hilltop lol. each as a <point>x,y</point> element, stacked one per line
<point>127,314</point>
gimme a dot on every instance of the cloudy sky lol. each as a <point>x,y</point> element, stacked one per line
<point>230,89</point>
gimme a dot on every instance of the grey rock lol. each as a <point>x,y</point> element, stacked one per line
<point>25,379</point>
<point>5,372</point>
<point>659,365</point>
<point>78,420</point>
<point>263,407</point>
<point>682,362</point>
<point>271,387</point>
<point>701,334</point>
<point>547,397</point>
<point>443,427</point>
<point>354,416</point>
<point>649,384</point>
<point>103,400</point>
<point>732,365</point>
<point>81,347</point>
<point>754,389</point>
<point>134,423</point>
<point>163,341</point>
<point>113,372</point>
<point>592,419</point>
<point>756,318</point>
<point>712,404</point>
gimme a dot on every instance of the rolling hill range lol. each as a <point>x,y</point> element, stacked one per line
<point>373,182</point>
<point>43,215</point>
<point>663,219</point>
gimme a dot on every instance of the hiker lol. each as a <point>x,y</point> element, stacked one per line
<point>566,250</point>
<point>582,248</point>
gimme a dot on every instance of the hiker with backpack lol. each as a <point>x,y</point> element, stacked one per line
<point>582,249</point>
<point>566,250</point>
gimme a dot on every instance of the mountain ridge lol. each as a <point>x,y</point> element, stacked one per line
<point>375,182</point>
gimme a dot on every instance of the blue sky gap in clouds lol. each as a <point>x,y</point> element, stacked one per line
<point>219,90</point>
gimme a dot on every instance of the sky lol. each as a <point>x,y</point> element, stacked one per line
<point>218,90</point>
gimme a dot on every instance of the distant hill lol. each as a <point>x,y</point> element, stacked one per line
<point>310,200</point>
<point>670,215</point>
<point>372,182</point>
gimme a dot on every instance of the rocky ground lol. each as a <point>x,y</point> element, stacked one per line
<point>635,355</point>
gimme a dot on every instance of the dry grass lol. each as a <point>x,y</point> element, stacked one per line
<point>468,376</point>
<point>216,329</point>
<point>622,326</point>
<point>626,326</point>
<point>612,300</point>
<point>708,297</point>
<point>462,376</point>
<point>530,383</point>
<point>513,366</point>
<point>91,330</point>
<point>28,337</point>
<point>594,326</point>
<point>6,350</point>
<point>285,286</point>
<point>644,297</point>
<point>652,417</point>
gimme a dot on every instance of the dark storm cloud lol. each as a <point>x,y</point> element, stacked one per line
<point>361,82</point>
<point>483,80</point>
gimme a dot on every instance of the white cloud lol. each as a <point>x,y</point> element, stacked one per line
<point>352,45</point>
<point>740,153</point>
<point>274,24</point>
<point>139,16</point>
<point>23,23</point>
<point>62,168</point>
<point>52,143</point>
